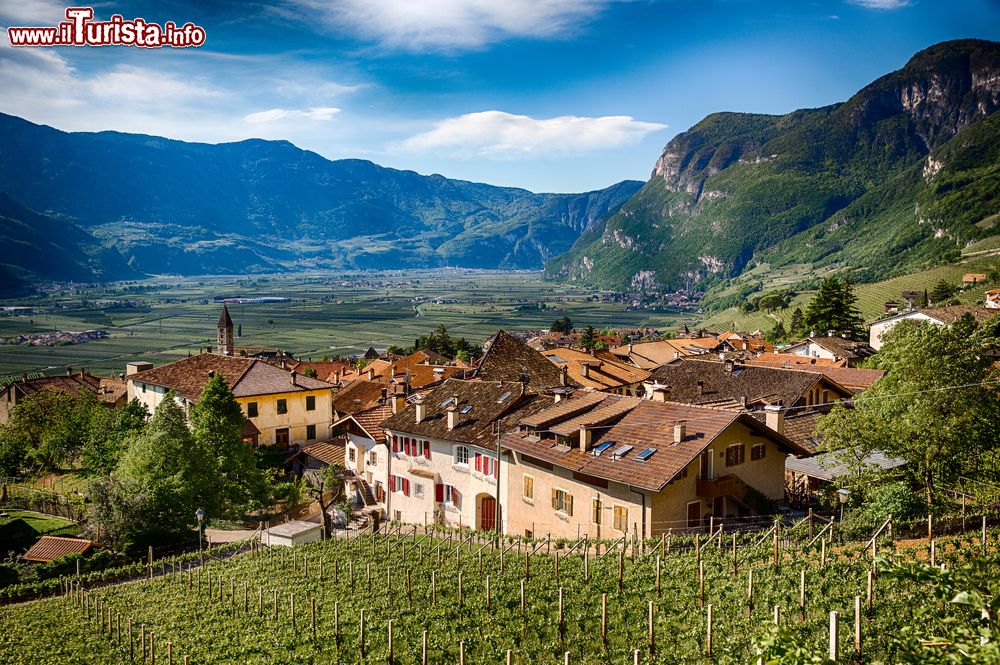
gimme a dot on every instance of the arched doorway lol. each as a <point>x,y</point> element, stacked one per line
<point>487,508</point>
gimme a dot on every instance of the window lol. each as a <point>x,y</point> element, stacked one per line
<point>310,402</point>
<point>595,511</point>
<point>562,501</point>
<point>757,452</point>
<point>282,406</point>
<point>486,465</point>
<point>416,448</point>
<point>528,488</point>
<point>351,454</point>
<point>461,455</point>
<point>310,432</point>
<point>620,519</point>
<point>399,485</point>
<point>143,387</point>
<point>418,490</point>
<point>736,454</point>
<point>373,458</point>
<point>447,494</point>
<point>251,409</point>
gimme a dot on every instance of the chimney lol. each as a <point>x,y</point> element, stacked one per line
<point>699,387</point>
<point>336,377</point>
<point>586,371</point>
<point>586,437</point>
<point>371,374</point>
<point>392,371</point>
<point>69,371</point>
<point>563,375</point>
<point>452,417</point>
<point>291,377</point>
<point>774,417</point>
<point>727,365</point>
<point>398,402</point>
<point>831,333</point>
<point>630,347</point>
<point>419,409</point>
<point>661,393</point>
<point>680,431</point>
<point>676,355</point>
<point>211,373</point>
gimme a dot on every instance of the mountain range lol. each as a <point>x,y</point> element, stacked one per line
<point>143,204</point>
<point>903,174</point>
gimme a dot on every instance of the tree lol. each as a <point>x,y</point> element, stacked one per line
<point>935,407</point>
<point>587,339</point>
<point>310,372</point>
<point>218,423</point>
<point>562,325</point>
<point>110,435</point>
<point>777,333</point>
<point>941,292</point>
<point>164,476</point>
<point>797,326</point>
<point>833,308</point>
<point>330,482</point>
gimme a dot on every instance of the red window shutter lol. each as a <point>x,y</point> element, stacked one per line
<point>479,463</point>
<point>456,497</point>
<point>406,446</point>
<point>406,486</point>
<point>395,444</point>
<point>439,492</point>
<point>496,468</point>
<point>427,449</point>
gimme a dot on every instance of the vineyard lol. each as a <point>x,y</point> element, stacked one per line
<point>405,597</point>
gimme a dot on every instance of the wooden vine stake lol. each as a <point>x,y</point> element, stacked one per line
<point>423,648</point>
<point>749,592</point>
<point>522,598</point>
<point>708,632</point>
<point>651,638</point>
<point>621,568</point>
<point>487,593</point>
<point>559,623</point>
<point>734,555</point>
<point>857,627</point>
<point>834,634</point>
<point>361,635</point>
<point>871,590</point>
<point>777,615</point>
<point>658,590</point>
<point>604,618</point>
<point>460,588</point>
<point>389,653</point>
<point>312,604</point>
<point>336,622</point>
<point>461,652</point>
<point>701,584</point>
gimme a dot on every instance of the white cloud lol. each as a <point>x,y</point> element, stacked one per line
<point>499,135</point>
<point>34,12</point>
<point>150,86</point>
<point>881,4</point>
<point>271,115</point>
<point>427,25</point>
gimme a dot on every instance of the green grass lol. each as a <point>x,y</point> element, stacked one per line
<point>330,314</point>
<point>42,523</point>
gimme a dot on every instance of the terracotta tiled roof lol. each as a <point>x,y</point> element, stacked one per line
<point>563,409</point>
<point>50,548</point>
<point>326,370</point>
<point>647,425</point>
<point>418,370</point>
<point>649,355</point>
<point>112,390</point>
<point>952,313</point>
<point>483,402</point>
<point>508,358</point>
<point>245,376</point>
<point>601,373</point>
<point>66,383</point>
<point>612,408</point>
<point>855,378</point>
<point>800,426</point>
<point>371,421</point>
<point>793,361</point>
<point>328,452</point>
<point>358,396</point>
<point>758,384</point>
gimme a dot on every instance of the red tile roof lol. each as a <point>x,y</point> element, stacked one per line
<point>602,373</point>
<point>50,548</point>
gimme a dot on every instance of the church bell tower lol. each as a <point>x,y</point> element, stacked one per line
<point>225,345</point>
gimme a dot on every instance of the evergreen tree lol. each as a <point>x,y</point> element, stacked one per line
<point>797,326</point>
<point>588,339</point>
<point>218,423</point>
<point>833,309</point>
<point>941,292</point>
<point>777,333</point>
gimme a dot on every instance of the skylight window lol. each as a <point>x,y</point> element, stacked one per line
<point>646,454</point>
<point>621,452</point>
<point>557,359</point>
<point>448,401</point>
<point>602,447</point>
<point>504,397</point>
<point>467,408</point>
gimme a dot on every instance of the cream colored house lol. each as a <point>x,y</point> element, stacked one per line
<point>284,408</point>
<point>441,456</point>
<point>605,466</point>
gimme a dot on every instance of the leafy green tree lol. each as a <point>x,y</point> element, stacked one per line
<point>53,426</point>
<point>165,475</point>
<point>310,372</point>
<point>941,292</point>
<point>109,435</point>
<point>935,407</point>
<point>218,423</point>
<point>833,308</point>
<point>13,452</point>
<point>587,339</point>
<point>562,325</point>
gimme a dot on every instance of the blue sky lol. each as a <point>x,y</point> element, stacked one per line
<point>550,95</point>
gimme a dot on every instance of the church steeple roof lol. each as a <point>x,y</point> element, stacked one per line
<point>224,320</point>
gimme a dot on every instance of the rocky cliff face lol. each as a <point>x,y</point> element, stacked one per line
<point>736,187</point>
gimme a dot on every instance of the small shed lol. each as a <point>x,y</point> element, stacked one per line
<point>49,548</point>
<point>290,534</point>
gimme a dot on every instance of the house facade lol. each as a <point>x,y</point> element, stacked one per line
<point>621,465</point>
<point>441,463</point>
<point>285,408</point>
<point>939,316</point>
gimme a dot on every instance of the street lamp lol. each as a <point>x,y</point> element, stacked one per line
<point>843,495</point>
<point>200,514</point>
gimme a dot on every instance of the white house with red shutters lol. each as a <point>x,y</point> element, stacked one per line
<point>442,452</point>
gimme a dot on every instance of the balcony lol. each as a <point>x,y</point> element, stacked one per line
<point>725,486</point>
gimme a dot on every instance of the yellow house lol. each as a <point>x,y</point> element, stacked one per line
<point>606,466</point>
<point>282,406</point>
